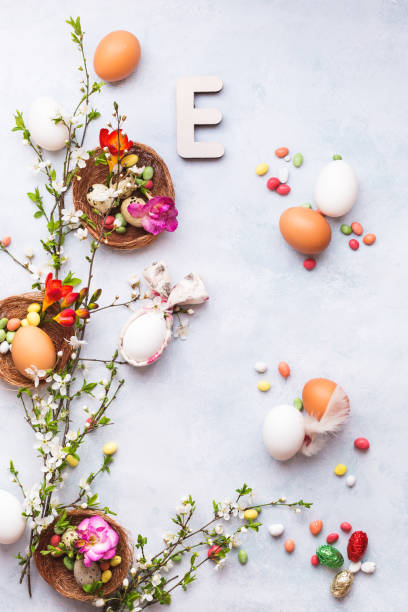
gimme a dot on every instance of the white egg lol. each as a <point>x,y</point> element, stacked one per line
<point>336,188</point>
<point>283,432</point>
<point>12,524</point>
<point>44,132</point>
<point>144,337</point>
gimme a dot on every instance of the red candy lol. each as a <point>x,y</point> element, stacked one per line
<point>357,228</point>
<point>55,540</point>
<point>273,183</point>
<point>109,221</point>
<point>345,527</point>
<point>314,560</point>
<point>213,551</point>
<point>362,444</point>
<point>357,545</point>
<point>283,189</point>
<point>149,184</point>
<point>332,537</point>
<point>353,244</point>
<point>309,263</point>
<point>281,152</point>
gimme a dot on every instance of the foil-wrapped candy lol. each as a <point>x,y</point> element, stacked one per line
<point>341,584</point>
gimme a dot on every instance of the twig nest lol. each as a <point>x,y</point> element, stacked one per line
<point>145,336</point>
<point>99,197</point>
<point>341,584</point>
<point>86,575</point>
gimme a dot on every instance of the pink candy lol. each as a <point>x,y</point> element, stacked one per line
<point>314,560</point>
<point>332,537</point>
<point>345,527</point>
<point>361,444</point>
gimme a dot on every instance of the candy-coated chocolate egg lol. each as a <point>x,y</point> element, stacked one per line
<point>145,336</point>
<point>117,56</point>
<point>43,130</point>
<point>32,347</point>
<point>322,396</point>
<point>336,188</point>
<point>305,230</point>
<point>12,524</point>
<point>283,432</point>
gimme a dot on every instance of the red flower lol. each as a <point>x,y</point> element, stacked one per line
<point>117,144</point>
<point>66,317</point>
<point>82,313</point>
<point>54,291</point>
<point>69,299</point>
<point>213,551</point>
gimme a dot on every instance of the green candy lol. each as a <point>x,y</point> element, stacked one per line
<point>9,336</point>
<point>329,556</point>
<point>69,563</point>
<point>120,230</point>
<point>346,229</point>
<point>2,335</point>
<point>307,205</point>
<point>3,322</point>
<point>120,218</point>
<point>242,557</point>
<point>337,156</point>
<point>297,402</point>
<point>148,173</point>
<point>297,160</point>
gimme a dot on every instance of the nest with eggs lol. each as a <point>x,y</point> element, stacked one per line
<point>93,174</point>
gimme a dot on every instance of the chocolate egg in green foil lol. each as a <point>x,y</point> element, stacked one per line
<point>341,584</point>
<point>330,556</point>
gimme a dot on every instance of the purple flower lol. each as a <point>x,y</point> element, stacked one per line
<point>156,215</point>
<point>97,540</point>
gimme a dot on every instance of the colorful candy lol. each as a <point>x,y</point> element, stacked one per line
<point>264,385</point>
<point>243,557</point>
<point>273,183</point>
<point>261,367</point>
<point>297,160</point>
<point>357,228</point>
<point>34,307</point>
<point>3,322</point>
<point>314,560</point>
<point>251,514</point>
<point>283,189</point>
<point>281,152</point>
<point>284,369</point>
<point>357,545</point>
<point>110,448</point>
<point>10,336</point>
<point>24,322</point>
<point>148,173</point>
<point>284,174</point>
<point>55,540</point>
<point>362,444</point>
<point>329,556</point>
<point>332,537</point>
<point>340,469</point>
<point>309,263</point>
<point>33,318</point>
<point>109,221</point>
<point>13,324</point>
<point>316,527</point>
<point>351,481</point>
<point>353,244</point>
<point>355,567</point>
<point>117,560</point>
<point>261,169</point>
<point>345,527</point>
<point>297,402</point>
<point>276,530</point>
<point>369,239</point>
<point>106,576</point>
<point>104,565</point>
<point>2,335</point>
<point>71,460</point>
<point>346,229</point>
<point>149,185</point>
<point>289,545</point>
<point>368,567</point>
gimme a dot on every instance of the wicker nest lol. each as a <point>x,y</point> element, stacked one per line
<point>135,237</point>
<point>16,306</point>
<point>54,572</point>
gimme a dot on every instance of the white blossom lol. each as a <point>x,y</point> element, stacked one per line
<point>35,374</point>
<point>81,233</point>
<point>80,157</point>
<point>58,186</point>
<point>72,218</point>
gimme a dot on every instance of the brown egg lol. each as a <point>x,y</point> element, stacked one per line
<point>305,230</point>
<point>32,347</point>
<point>316,396</point>
<point>116,56</point>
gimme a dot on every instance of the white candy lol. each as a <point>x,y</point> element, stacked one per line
<point>350,480</point>
<point>288,158</point>
<point>260,367</point>
<point>4,347</point>
<point>368,567</point>
<point>355,567</point>
<point>276,529</point>
<point>284,174</point>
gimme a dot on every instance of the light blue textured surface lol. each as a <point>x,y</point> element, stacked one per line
<point>319,77</point>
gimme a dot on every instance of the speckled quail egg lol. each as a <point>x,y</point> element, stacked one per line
<point>99,197</point>
<point>126,214</point>
<point>69,537</point>
<point>126,185</point>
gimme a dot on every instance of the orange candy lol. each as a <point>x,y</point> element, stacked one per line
<point>369,239</point>
<point>104,565</point>
<point>316,527</point>
<point>13,324</point>
<point>289,546</point>
<point>284,369</point>
<point>281,152</point>
<point>316,395</point>
<point>357,228</point>
<point>6,241</point>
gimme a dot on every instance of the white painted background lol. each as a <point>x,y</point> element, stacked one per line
<point>319,77</point>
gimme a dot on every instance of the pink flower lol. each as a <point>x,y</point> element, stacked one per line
<point>97,540</point>
<point>156,215</point>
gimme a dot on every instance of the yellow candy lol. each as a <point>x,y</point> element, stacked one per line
<point>33,318</point>
<point>110,448</point>
<point>24,323</point>
<point>262,169</point>
<point>71,460</point>
<point>340,469</point>
<point>264,385</point>
<point>34,307</point>
<point>106,576</point>
<point>129,160</point>
<point>251,514</point>
<point>117,560</point>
